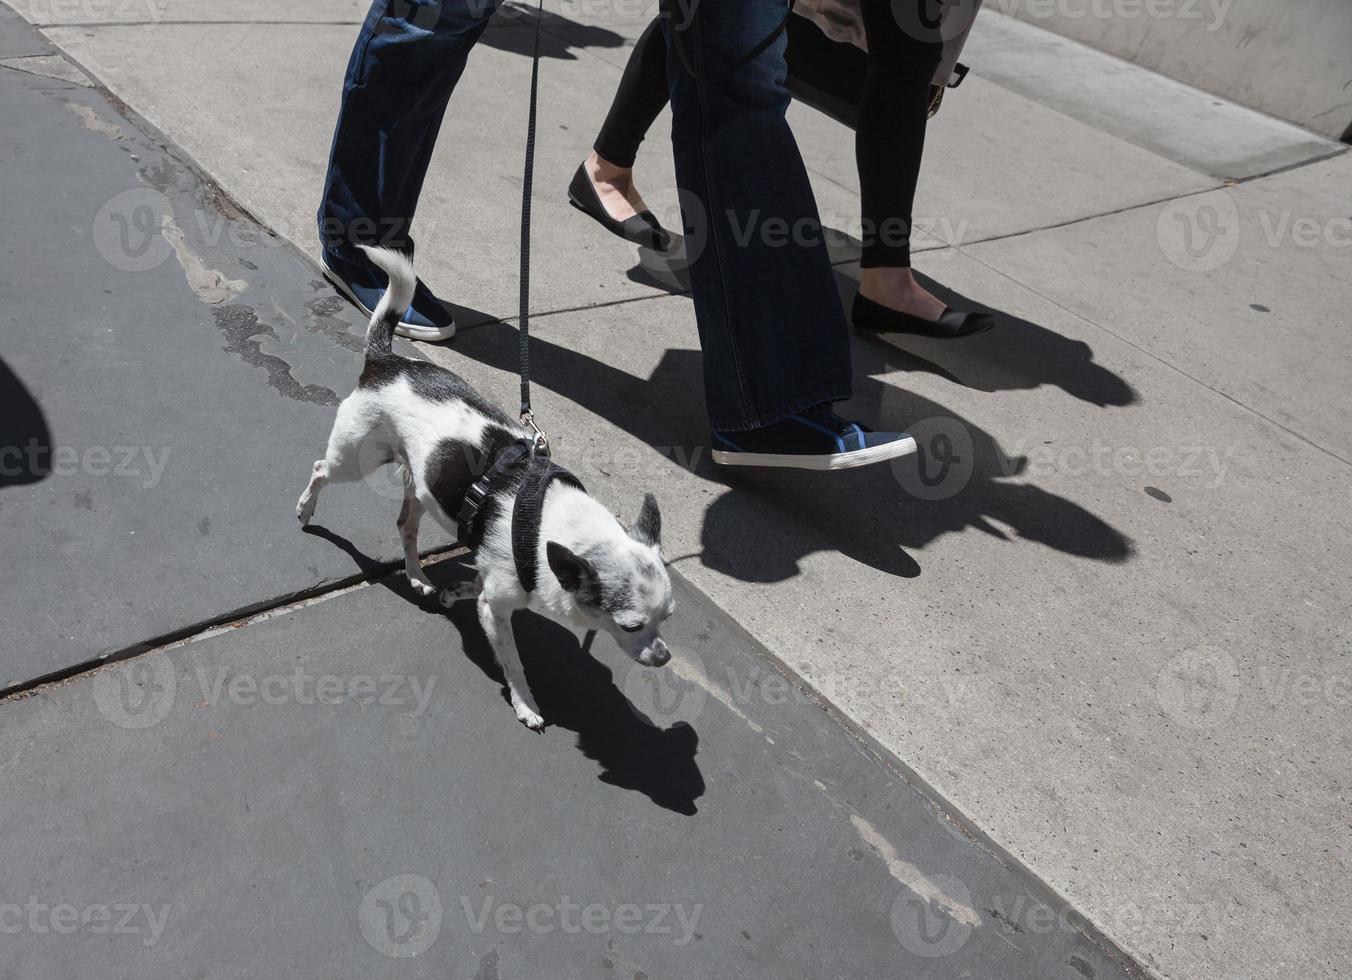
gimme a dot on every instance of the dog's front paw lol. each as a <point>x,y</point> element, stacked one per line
<point>422,588</point>
<point>527,715</point>
<point>305,509</point>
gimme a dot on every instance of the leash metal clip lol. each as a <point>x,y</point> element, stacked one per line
<point>541,446</point>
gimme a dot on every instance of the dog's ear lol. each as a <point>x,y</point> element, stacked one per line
<point>648,528</point>
<point>574,574</point>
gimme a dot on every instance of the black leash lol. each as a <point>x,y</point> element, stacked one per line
<point>527,181</point>
<point>525,464</point>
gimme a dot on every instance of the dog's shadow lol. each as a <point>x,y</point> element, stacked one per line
<point>573,689</point>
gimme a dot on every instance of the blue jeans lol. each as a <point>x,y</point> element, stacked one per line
<point>769,316</point>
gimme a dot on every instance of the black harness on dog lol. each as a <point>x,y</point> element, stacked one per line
<point>525,465</point>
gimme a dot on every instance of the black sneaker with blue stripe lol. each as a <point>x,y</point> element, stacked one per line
<point>815,439</point>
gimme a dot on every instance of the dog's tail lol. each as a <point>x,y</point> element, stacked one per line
<point>399,267</point>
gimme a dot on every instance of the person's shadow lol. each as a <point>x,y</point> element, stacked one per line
<point>1018,355</point>
<point>573,689</point>
<point>25,440</point>
<point>512,29</point>
<point>961,478</point>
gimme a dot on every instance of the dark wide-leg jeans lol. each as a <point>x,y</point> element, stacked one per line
<point>769,316</point>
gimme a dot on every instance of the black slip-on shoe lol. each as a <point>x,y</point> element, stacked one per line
<point>876,318</point>
<point>642,229</point>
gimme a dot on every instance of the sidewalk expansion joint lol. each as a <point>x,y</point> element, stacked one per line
<point>236,619</point>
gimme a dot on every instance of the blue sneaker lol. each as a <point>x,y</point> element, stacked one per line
<point>816,439</point>
<point>427,317</point>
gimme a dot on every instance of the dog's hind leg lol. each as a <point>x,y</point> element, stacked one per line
<point>309,498</point>
<point>409,517</point>
<point>498,628</point>
<point>351,427</point>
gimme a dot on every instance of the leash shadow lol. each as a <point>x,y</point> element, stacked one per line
<point>574,690</point>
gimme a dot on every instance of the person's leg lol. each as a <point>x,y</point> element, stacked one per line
<point>889,144</point>
<point>604,185</point>
<point>638,101</point>
<point>408,57</point>
<point>776,351</point>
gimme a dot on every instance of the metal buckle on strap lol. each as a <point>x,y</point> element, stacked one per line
<point>541,445</point>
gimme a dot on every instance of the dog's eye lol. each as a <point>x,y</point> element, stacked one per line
<point>634,628</point>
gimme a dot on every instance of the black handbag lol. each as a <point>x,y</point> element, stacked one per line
<point>829,75</point>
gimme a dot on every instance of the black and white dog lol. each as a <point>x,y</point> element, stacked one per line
<point>444,436</point>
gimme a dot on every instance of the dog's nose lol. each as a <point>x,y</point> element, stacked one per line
<point>656,655</point>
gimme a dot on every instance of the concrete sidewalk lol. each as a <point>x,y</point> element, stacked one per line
<point>338,776</point>
<point>1103,618</point>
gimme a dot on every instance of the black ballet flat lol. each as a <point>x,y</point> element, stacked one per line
<point>642,229</point>
<point>875,317</point>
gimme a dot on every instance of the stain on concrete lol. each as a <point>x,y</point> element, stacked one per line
<point>326,319</point>
<point>248,265</point>
<point>84,500</point>
<point>1005,921</point>
<point>241,328</point>
<point>1081,967</point>
<point>161,175</point>
<point>488,966</point>
<point>93,123</point>
<point>210,285</point>
<point>204,526</point>
<point>1159,494</point>
<point>911,876</point>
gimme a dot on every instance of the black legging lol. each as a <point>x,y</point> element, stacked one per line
<point>889,134</point>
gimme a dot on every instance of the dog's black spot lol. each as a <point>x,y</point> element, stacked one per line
<point>453,466</point>
<point>430,381</point>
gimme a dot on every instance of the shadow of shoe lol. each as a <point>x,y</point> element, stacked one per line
<point>1017,355</point>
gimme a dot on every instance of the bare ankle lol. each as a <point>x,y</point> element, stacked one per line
<point>602,170</point>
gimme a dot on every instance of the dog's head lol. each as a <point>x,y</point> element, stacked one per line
<point>621,585</point>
